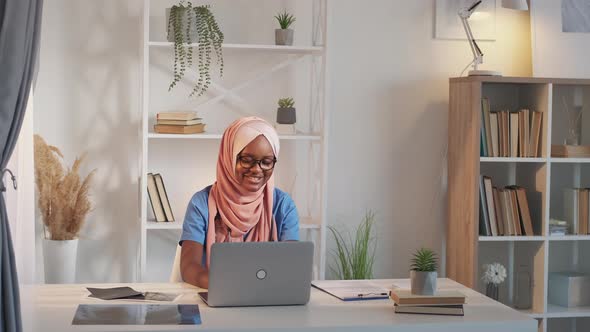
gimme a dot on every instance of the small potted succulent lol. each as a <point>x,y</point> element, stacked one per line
<point>284,35</point>
<point>286,113</point>
<point>423,272</point>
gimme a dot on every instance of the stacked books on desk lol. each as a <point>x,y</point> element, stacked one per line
<point>448,303</point>
<point>179,122</point>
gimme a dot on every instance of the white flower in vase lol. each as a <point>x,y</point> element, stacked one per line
<point>495,273</point>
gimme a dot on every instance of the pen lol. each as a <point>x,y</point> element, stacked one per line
<point>371,294</point>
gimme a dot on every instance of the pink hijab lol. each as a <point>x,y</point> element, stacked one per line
<point>241,211</point>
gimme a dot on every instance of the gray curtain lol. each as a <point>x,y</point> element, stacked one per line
<point>20,23</point>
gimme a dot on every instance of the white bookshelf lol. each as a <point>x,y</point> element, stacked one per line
<point>544,177</point>
<point>256,74</point>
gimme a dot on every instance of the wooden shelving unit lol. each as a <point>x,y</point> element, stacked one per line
<point>544,177</point>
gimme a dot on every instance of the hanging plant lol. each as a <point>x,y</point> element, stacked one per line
<point>183,23</point>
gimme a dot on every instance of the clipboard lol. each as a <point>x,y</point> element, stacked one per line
<point>352,290</point>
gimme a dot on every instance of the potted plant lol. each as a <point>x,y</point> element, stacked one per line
<point>64,205</point>
<point>354,260</point>
<point>284,35</point>
<point>286,113</point>
<point>494,274</point>
<point>188,24</point>
<point>423,272</point>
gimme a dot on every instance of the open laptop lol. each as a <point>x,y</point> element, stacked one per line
<point>259,274</point>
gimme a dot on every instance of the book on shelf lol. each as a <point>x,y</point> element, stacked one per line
<point>177,115</point>
<point>173,129</point>
<point>484,221</point>
<point>485,104</point>
<point>509,134</point>
<point>164,197</point>
<point>524,211</point>
<point>494,134</point>
<point>487,181</point>
<point>180,122</point>
<point>499,213</point>
<point>576,205</point>
<point>503,211</point>
<point>154,197</point>
<point>404,297</point>
<point>535,140</point>
<point>514,130</point>
<point>445,310</point>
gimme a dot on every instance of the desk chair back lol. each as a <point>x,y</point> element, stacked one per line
<point>175,275</point>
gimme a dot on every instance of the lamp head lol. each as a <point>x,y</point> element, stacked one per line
<point>515,4</point>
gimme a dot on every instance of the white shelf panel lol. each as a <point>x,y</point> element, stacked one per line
<point>256,47</point>
<point>569,238</point>
<point>511,160</point>
<point>298,136</point>
<point>510,238</point>
<point>570,160</point>
<point>152,224</point>
<point>555,311</point>
<point>530,313</point>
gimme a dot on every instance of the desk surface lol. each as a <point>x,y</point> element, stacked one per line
<point>52,307</point>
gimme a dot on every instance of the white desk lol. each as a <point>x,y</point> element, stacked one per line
<point>51,308</point>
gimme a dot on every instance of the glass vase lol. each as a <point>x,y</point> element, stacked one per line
<point>492,291</point>
<point>574,127</point>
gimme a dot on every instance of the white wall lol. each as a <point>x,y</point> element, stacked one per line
<point>388,88</point>
<point>557,54</point>
<point>389,96</point>
<point>88,101</point>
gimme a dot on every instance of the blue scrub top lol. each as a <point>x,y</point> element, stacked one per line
<point>196,219</point>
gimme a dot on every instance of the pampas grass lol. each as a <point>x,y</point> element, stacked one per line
<point>63,197</point>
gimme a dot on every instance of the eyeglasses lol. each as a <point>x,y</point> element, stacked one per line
<point>266,164</point>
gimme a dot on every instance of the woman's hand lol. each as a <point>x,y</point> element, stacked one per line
<point>190,264</point>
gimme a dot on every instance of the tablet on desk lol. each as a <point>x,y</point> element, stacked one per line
<point>259,274</point>
<point>137,314</point>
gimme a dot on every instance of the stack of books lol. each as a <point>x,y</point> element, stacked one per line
<point>576,209</point>
<point>448,303</point>
<point>503,212</point>
<point>159,198</point>
<point>509,134</point>
<point>179,122</point>
<point>558,227</point>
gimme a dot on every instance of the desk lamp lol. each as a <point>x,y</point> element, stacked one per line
<point>465,14</point>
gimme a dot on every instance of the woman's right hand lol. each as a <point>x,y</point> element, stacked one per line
<point>190,264</point>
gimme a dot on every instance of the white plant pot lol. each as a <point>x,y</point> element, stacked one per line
<point>59,259</point>
<point>423,283</point>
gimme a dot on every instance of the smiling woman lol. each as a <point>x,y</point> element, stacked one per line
<point>242,205</point>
